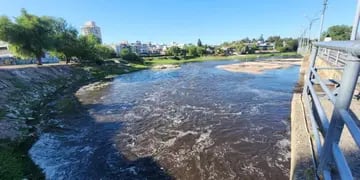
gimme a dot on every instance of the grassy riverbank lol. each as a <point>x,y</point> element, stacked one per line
<point>159,61</point>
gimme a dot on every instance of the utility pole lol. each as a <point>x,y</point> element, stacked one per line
<point>356,22</point>
<point>322,18</point>
<point>311,21</point>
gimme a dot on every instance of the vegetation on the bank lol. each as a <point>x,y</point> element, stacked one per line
<point>247,46</point>
<point>33,36</point>
<point>176,60</point>
<point>15,162</point>
<point>338,32</point>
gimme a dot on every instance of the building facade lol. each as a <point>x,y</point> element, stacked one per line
<point>91,28</point>
<point>140,49</point>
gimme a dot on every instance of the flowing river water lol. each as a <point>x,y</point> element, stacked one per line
<point>196,122</point>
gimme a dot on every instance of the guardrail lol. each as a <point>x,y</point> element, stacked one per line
<point>335,57</point>
<point>327,130</point>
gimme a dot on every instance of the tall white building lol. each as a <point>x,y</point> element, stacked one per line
<point>91,28</point>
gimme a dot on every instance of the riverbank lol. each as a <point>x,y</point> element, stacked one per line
<point>31,97</point>
<point>158,61</point>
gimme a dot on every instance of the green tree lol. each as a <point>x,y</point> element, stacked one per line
<point>126,54</point>
<point>87,50</point>
<point>245,40</point>
<point>183,52</point>
<point>174,51</point>
<point>287,45</point>
<point>338,32</point>
<point>273,39</point>
<point>67,44</point>
<point>192,51</point>
<point>219,51</point>
<point>292,44</point>
<point>239,47</point>
<point>201,51</point>
<point>28,35</point>
<point>104,52</point>
<point>245,50</point>
<point>199,43</point>
<point>261,38</point>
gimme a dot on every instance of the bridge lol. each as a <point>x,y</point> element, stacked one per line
<point>331,107</point>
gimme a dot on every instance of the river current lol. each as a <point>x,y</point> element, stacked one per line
<point>196,122</point>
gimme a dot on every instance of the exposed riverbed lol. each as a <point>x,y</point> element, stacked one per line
<point>196,122</point>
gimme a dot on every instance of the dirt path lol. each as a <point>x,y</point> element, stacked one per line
<point>33,65</point>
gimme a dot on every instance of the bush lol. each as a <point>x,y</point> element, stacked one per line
<point>283,49</point>
<point>175,57</point>
<point>132,57</point>
<point>126,54</point>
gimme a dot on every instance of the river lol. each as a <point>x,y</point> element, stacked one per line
<point>196,122</point>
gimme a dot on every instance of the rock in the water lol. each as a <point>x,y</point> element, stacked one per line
<point>166,66</point>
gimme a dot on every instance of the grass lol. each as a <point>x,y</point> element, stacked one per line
<point>101,72</point>
<point>159,61</point>
<point>15,162</point>
<point>309,174</point>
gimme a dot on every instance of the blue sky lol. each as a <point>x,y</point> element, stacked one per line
<point>184,21</point>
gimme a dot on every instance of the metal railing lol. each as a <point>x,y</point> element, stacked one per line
<point>335,57</point>
<point>326,131</point>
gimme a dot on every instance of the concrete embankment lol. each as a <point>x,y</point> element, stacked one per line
<point>302,166</point>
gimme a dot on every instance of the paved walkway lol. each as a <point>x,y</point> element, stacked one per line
<point>347,144</point>
<point>33,65</point>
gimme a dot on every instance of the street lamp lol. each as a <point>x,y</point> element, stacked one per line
<point>356,22</point>
<point>322,18</point>
<point>302,42</point>
<point>311,21</point>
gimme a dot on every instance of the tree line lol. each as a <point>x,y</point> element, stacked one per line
<point>338,32</point>
<point>189,51</point>
<point>249,46</point>
<point>31,36</point>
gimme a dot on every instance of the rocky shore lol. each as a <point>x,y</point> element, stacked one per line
<point>30,97</point>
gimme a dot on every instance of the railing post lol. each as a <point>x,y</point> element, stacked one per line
<point>343,100</point>
<point>337,57</point>
<point>312,60</point>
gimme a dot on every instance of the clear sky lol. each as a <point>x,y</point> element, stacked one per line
<point>184,21</point>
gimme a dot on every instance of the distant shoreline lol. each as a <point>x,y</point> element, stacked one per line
<point>159,61</point>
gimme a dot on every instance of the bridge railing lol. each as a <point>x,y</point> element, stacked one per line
<point>326,131</point>
<point>335,57</point>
